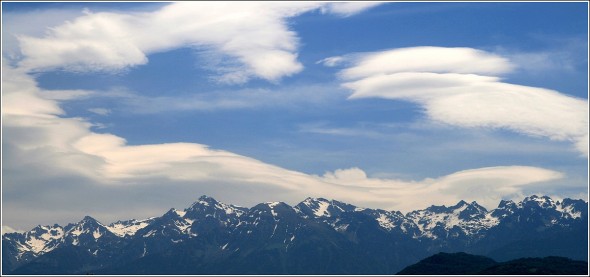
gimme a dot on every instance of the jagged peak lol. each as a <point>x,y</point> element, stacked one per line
<point>38,228</point>
<point>317,206</point>
<point>207,198</point>
<point>88,220</point>
<point>205,201</point>
<point>541,201</point>
<point>536,198</point>
<point>569,201</point>
<point>44,229</point>
<point>322,207</point>
<point>132,221</point>
<point>436,209</point>
<point>207,206</point>
<point>461,203</point>
<point>174,213</point>
<point>272,206</point>
<point>506,203</point>
<point>477,206</point>
<point>315,200</point>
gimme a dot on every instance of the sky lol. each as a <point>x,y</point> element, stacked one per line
<point>124,110</point>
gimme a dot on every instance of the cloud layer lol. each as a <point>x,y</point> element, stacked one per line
<point>486,185</point>
<point>459,86</point>
<point>55,161</point>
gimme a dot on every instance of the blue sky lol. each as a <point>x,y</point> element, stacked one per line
<point>398,105</point>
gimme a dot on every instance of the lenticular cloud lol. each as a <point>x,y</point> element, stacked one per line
<point>461,87</point>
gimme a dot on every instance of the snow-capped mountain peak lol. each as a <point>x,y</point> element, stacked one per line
<point>322,208</point>
<point>88,230</point>
<point>43,238</point>
<point>541,201</point>
<point>317,206</point>
<point>208,207</point>
<point>85,226</point>
<point>572,208</point>
<point>464,218</point>
<point>128,227</point>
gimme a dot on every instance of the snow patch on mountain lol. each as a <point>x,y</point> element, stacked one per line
<point>385,222</point>
<point>272,206</point>
<point>96,234</point>
<point>322,209</point>
<point>183,225</point>
<point>568,211</point>
<point>150,233</point>
<point>36,245</point>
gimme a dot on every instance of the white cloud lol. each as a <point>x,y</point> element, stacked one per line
<point>450,91</point>
<point>426,59</point>
<point>487,186</point>
<point>253,34</point>
<point>20,95</point>
<point>19,23</point>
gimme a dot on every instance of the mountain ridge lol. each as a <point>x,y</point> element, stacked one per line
<point>209,228</point>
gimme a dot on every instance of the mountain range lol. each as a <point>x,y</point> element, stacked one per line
<point>316,236</point>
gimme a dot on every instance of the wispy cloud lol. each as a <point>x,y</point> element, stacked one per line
<point>324,129</point>
<point>331,61</point>
<point>100,111</point>
<point>562,55</point>
<point>62,95</point>
<point>283,97</point>
<point>448,83</point>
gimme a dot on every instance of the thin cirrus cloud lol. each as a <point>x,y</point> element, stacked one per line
<point>115,41</point>
<point>100,111</point>
<point>461,87</point>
